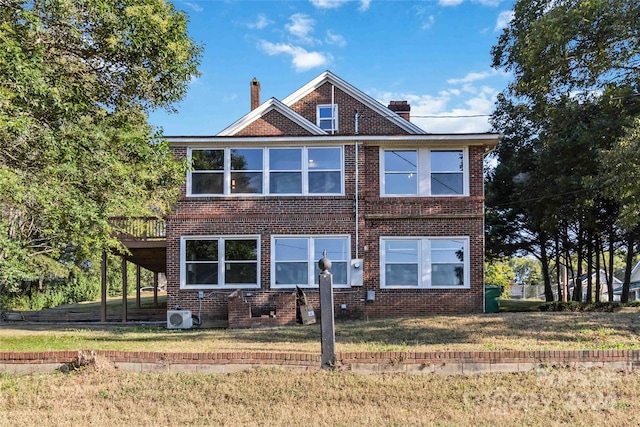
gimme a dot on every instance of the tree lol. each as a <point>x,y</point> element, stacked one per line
<point>78,81</point>
<point>499,273</point>
<point>558,47</point>
<point>576,67</point>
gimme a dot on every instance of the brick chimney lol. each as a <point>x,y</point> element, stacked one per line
<point>402,108</point>
<point>255,94</point>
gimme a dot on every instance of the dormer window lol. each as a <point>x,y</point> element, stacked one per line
<point>327,117</point>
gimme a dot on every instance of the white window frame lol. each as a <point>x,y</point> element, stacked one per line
<point>424,171</point>
<point>425,262</point>
<point>333,119</point>
<point>221,262</point>
<point>266,152</point>
<point>311,264</point>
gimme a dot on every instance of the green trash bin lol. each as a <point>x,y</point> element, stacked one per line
<point>492,298</point>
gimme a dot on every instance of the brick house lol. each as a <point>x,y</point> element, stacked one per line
<point>398,210</point>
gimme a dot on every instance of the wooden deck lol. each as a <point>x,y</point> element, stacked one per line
<point>146,241</point>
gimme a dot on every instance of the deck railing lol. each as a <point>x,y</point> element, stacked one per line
<point>144,228</point>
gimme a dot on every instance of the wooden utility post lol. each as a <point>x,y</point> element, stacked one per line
<point>327,327</point>
<point>103,289</point>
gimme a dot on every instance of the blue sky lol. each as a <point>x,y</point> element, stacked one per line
<point>433,53</point>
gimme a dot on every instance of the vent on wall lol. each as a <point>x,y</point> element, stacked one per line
<point>179,319</point>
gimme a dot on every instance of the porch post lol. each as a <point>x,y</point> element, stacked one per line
<point>124,290</point>
<point>155,288</point>
<point>137,286</point>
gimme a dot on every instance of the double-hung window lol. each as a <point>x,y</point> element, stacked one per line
<point>327,117</point>
<point>207,174</point>
<point>424,172</point>
<point>209,262</point>
<point>246,170</point>
<point>424,262</point>
<point>294,260</point>
<point>265,171</point>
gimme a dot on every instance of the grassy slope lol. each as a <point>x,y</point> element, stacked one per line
<point>501,331</point>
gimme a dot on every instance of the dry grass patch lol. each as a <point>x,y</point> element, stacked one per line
<point>101,397</point>
<point>502,331</point>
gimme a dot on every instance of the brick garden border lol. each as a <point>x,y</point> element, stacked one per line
<point>448,362</point>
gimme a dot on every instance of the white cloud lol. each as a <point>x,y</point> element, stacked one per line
<point>334,4</point>
<point>335,39</point>
<point>472,77</point>
<point>428,22</point>
<point>504,18</point>
<point>449,111</point>
<point>328,4</point>
<point>364,5</point>
<point>261,22</point>
<point>195,7</point>
<point>301,26</point>
<point>446,3</point>
<point>423,14</point>
<point>301,59</point>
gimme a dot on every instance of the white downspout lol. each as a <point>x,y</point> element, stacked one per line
<point>356,208</point>
<point>357,236</point>
<point>333,110</point>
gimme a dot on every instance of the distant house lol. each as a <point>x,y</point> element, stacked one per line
<point>634,286</point>
<point>398,210</point>
<point>604,293</point>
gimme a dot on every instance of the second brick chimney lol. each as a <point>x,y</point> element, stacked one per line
<point>402,108</point>
<point>255,94</point>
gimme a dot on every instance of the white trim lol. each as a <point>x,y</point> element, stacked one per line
<point>221,261</point>
<point>486,140</point>
<point>355,93</point>
<point>424,261</point>
<point>311,264</point>
<point>270,105</point>
<point>333,118</point>
<point>423,168</point>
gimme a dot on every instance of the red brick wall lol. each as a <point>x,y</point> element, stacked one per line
<point>401,216</point>
<point>369,122</point>
<point>273,124</point>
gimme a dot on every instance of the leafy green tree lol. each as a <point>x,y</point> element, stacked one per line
<point>558,47</point>
<point>499,273</point>
<point>78,79</point>
<point>576,67</point>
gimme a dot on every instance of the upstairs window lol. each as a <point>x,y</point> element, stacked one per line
<point>246,171</point>
<point>265,171</point>
<point>447,172</point>
<point>327,117</point>
<point>424,172</point>
<point>207,176</point>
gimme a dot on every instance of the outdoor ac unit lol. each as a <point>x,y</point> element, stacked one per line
<point>179,319</point>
